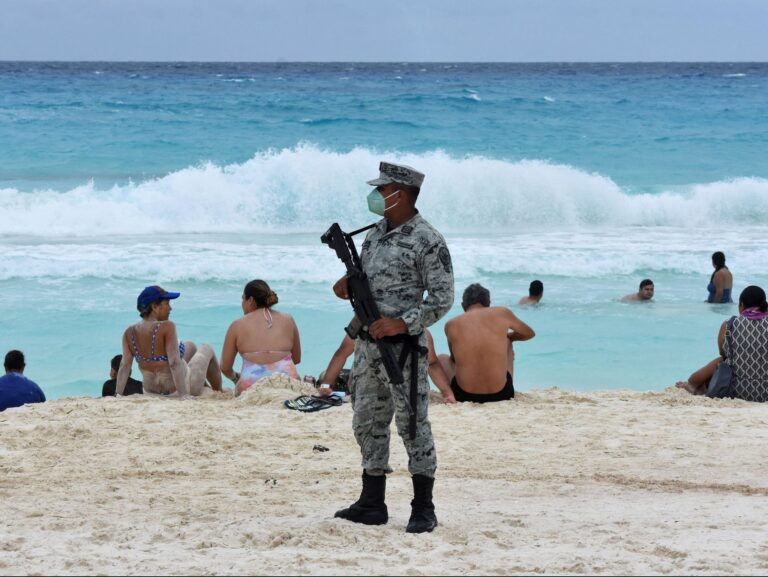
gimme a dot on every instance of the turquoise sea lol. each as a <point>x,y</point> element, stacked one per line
<point>200,177</point>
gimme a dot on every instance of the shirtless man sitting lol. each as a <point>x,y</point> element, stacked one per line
<point>480,341</point>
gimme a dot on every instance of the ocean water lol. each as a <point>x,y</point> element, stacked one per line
<point>200,177</point>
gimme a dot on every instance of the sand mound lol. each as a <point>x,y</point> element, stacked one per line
<point>274,390</point>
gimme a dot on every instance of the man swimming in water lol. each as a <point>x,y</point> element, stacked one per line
<point>535,292</point>
<point>644,294</point>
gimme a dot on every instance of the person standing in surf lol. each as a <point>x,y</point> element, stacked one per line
<point>721,282</point>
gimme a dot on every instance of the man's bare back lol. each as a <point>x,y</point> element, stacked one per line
<point>481,346</point>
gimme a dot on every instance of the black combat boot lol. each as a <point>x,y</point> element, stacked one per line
<point>423,518</point>
<point>370,508</point>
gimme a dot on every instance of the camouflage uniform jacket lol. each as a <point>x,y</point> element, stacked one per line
<point>403,263</point>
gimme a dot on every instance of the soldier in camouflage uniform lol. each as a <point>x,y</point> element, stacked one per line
<point>403,256</point>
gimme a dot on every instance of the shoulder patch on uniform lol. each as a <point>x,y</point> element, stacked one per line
<point>407,229</point>
<point>445,258</point>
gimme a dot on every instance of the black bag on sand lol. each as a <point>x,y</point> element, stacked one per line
<point>720,384</point>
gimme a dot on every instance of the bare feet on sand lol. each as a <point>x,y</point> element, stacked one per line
<point>693,389</point>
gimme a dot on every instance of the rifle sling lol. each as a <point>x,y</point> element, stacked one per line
<point>359,230</point>
<point>411,345</point>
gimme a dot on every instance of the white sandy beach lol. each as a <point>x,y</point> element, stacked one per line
<point>552,482</point>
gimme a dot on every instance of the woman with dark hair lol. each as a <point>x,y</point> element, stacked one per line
<point>721,281</point>
<point>267,340</point>
<point>745,344</point>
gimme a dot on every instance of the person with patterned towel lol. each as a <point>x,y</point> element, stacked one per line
<point>745,345</point>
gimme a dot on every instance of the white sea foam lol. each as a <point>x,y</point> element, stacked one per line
<point>302,259</point>
<point>306,188</point>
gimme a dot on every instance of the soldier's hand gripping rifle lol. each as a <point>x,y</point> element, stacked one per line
<point>360,296</point>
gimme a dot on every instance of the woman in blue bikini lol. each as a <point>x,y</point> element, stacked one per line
<point>167,365</point>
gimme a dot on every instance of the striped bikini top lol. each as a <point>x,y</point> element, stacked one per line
<point>153,357</point>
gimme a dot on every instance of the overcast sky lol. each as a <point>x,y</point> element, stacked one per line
<point>393,30</point>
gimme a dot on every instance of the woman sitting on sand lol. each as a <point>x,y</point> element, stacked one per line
<point>167,365</point>
<point>267,340</point>
<point>747,353</point>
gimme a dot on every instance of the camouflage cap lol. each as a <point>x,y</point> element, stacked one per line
<point>397,173</point>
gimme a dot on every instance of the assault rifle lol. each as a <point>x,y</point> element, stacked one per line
<point>360,296</point>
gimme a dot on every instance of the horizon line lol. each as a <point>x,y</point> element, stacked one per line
<point>128,61</point>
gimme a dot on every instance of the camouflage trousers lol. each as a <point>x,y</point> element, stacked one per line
<point>376,401</point>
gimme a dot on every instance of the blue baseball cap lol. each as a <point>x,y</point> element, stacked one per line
<point>153,293</point>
